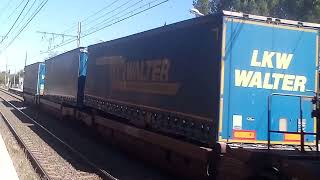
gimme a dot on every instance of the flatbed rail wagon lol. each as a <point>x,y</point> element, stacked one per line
<point>34,77</point>
<point>225,90</point>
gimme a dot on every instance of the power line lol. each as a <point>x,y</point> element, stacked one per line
<point>103,15</point>
<point>109,5</point>
<point>150,7</point>
<point>7,20</point>
<point>58,34</point>
<point>121,12</point>
<point>100,10</point>
<point>15,21</point>
<point>59,45</point>
<point>15,9</point>
<point>54,35</point>
<point>34,2</point>
<point>120,20</point>
<point>29,20</point>
<point>38,9</point>
<point>115,9</point>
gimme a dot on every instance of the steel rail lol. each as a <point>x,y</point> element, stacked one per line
<point>11,94</point>
<point>102,173</point>
<point>34,162</point>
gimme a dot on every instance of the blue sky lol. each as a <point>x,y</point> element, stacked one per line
<point>60,15</point>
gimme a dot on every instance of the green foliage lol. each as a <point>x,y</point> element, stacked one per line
<point>202,5</point>
<point>2,77</point>
<point>10,77</point>
<point>302,10</point>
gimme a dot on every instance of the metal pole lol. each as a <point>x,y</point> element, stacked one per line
<point>317,123</point>
<point>301,127</point>
<point>14,78</point>
<point>5,77</point>
<point>25,60</point>
<point>79,34</point>
<point>269,113</point>
<point>19,79</point>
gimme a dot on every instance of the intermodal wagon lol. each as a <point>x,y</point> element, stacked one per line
<point>65,77</point>
<point>190,93</point>
<point>34,78</point>
<point>217,78</point>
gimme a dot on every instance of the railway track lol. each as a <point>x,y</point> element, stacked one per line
<point>35,163</point>
<point>46,162</point>
<point>16,96</point>
<point>79,156</point>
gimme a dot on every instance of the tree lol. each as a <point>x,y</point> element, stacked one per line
<point>302,10</point>
<point>203,6</point>
<point>2,77</point>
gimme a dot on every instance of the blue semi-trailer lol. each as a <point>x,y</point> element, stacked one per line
<point>217,78</point>
<point>268,77</point>
<point>34,82</point>
<point>65,77</point>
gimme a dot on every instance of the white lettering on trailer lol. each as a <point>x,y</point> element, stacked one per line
<point>276,81</point>
<point>267,59</point>
<point>286,82</point>
<point>283,60</point>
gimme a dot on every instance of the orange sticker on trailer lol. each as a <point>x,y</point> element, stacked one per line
<point>291,137</point>
<point>244,134</point>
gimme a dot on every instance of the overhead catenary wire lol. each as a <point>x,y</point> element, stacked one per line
<point>26,14</point>
<point>13,12</point>
<point>39,8</point>
<point>15,21</point>
<point>112,3</point>
<point>115,9</point>
<point>113,23</point>
<point>120,7</point>
<point>105,21</point>
<point>120,20</point>
<point>102,9</point>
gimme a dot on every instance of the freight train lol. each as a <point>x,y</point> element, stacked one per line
<point>225,78</point>
<point>34,75</point>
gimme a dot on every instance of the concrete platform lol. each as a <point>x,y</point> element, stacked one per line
<point>7,170</point>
